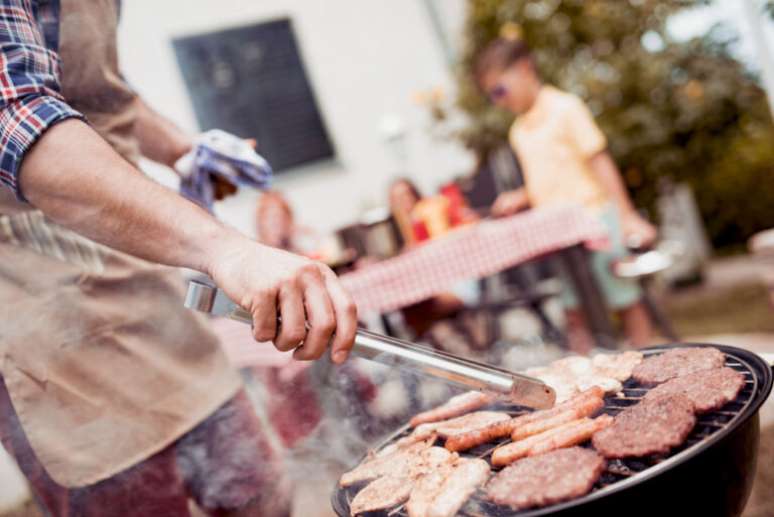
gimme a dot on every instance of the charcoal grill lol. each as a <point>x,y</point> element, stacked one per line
<point>710,474</point>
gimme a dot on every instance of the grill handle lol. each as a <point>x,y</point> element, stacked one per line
<point>520,389</point>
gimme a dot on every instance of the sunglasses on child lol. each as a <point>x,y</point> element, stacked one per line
<point>497,93</point>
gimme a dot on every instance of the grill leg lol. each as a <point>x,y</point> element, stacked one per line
<point>576,260</point>
<point>656,314</point>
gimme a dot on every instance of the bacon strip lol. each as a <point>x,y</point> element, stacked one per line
<point>589,398</point>
<point>566,435</point>
<point>455,406</point>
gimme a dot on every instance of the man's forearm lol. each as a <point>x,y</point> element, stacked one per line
<point>78,181</point>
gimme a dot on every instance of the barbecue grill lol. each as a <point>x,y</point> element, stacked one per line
<point>710,474</point>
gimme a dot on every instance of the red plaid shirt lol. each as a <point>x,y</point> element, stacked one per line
<point>31,100</point>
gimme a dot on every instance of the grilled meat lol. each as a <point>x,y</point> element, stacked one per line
<point>566,435</point>
<point>652,426</point>
<point>574,374</point>
<point>461,424</point>
<point>455,406</point>
<point>618,366</point>
<point>547,478</point>
<point>676,363</point>
<point>399,459</point>
<point>585,407</point>
<point>443,492</point>
<point>397,477</point>
<point>707,389</point>
<point>575,435</point>
<point>381,494</point>
<point>474,437</point>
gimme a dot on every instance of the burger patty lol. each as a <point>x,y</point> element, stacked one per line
<point>708,390</point>
<point>546,479</point>
<point>676,363</point>
<point>654,426</point>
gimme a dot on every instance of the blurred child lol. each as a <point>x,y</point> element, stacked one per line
<point>564,160</point>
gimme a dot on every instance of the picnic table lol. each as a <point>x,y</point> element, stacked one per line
<point>483,249</point>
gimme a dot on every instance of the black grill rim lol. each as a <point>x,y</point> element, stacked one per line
<point>762,373</point>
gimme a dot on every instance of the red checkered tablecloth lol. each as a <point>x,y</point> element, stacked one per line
<point>470,252</point>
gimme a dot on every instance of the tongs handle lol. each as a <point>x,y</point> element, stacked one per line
<point>395,352</point>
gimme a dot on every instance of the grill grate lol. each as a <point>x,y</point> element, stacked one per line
<point>618,472</point>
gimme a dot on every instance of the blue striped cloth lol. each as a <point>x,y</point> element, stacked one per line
<point>223,155</point>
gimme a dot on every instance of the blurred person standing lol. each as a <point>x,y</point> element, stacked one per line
<point>564,158</point>
<point>114,399</point>
<point>403,196</point>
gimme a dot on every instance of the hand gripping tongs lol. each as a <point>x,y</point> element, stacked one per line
<point>520,389</point>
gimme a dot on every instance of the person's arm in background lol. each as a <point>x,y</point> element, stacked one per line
<point>510,202</point>
<point>68,171</point>
<point>160,139</point>
<point>632,224</point>
<point>591,143</point>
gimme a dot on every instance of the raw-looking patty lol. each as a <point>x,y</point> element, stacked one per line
<point>546,479</point>
<point>676,363</point>
<point>708,389</point>
<point>652,426</point>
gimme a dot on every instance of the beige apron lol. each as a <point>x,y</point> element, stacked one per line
<point>103,364</point>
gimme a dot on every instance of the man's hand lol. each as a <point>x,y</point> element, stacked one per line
<point>510,202</point>
<point>637,231</point>
<point>306,295</point>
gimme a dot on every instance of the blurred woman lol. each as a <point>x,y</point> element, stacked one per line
<point>442,319</point>
<point>403,197</point>
<point>275,225</point>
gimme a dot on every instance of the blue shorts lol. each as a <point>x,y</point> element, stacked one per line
<point>619,293</point>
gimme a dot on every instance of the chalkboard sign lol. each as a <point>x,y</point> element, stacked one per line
<point>251,81</point>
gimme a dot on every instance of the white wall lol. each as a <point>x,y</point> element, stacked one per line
<point>366,60</point>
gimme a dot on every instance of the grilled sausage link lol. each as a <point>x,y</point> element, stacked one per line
<point>566,435</point>
<point>464,441</point>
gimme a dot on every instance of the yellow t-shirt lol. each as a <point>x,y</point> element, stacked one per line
<point>554,142</point>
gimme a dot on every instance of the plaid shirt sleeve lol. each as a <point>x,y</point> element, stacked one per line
<point>30,97</point>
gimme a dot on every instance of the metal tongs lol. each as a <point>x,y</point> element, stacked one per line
<point>519,389</point>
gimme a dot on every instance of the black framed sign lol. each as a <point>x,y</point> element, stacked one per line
<point>251,81</point>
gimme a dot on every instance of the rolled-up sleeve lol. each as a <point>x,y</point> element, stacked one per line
<point>30,98</point>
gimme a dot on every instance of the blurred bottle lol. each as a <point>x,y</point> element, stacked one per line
<point>459,211</point>
<point>433,212</point>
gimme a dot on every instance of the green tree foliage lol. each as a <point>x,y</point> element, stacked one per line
<point>684,110</point>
